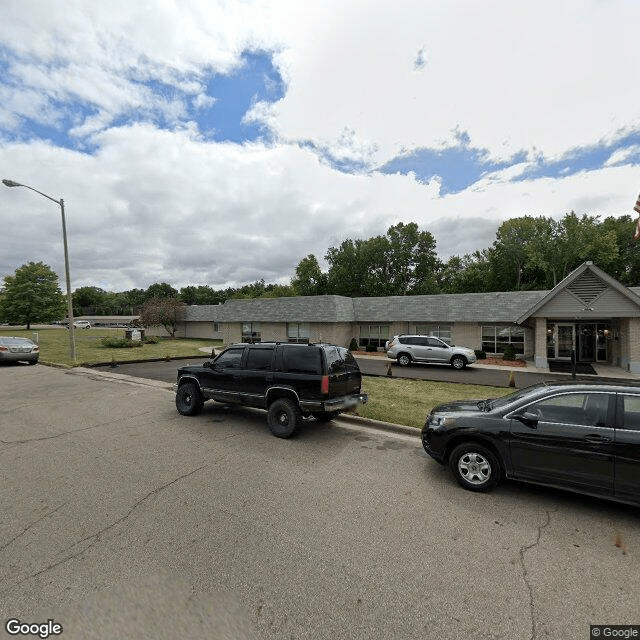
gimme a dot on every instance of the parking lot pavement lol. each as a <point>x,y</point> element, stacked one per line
<point>122,518</point>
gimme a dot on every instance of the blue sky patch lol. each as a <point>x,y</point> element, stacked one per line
<point>458,167</point>
<point>219,114</point>
<point>256,81</point>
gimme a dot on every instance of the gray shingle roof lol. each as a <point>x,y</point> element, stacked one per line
<point>500,306</point>
<point>298,309</point>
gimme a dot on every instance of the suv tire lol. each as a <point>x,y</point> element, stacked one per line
<point>404,359</point>
<point>283,417</point>
<point>458,362</point>
<point>475,467</point>
<point>189,401</point>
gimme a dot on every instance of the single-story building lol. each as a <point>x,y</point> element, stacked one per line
<point>589,312</point>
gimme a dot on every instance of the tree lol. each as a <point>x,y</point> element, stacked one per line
<point>165,312</point>
<point>160,290</point>
<point>309,280</point>
<point>32,294</point>
<point>401,262</point>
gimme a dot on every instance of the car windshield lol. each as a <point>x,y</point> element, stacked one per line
<point>497,403</point>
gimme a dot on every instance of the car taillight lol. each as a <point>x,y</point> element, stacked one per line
<point>3,348</point>
<point>36,348</point>
<point>324,385</point>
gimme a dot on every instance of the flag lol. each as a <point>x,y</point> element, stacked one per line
<point>636,233</point>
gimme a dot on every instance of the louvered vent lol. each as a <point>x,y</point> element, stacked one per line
<point>587,287</point>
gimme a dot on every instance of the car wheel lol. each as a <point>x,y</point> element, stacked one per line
<point>404,359</point>
<point>283,417</point>
<point>458,362</point>
<point>475,467</point>
<point>189,401</point>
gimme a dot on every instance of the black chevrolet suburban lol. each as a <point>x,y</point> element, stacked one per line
<point>288,380</point>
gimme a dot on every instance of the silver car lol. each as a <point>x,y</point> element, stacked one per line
<point>18,350</point>
<point>407,349</point>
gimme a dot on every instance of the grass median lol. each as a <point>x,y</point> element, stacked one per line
<point>54,346</point>
<point>407,402</point>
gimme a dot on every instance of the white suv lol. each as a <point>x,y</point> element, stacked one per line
<point>82,324</point>
<point>408,349</point>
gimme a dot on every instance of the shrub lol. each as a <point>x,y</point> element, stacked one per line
<point>480,354</point>
<point>353,345</point>
<point>371,347</point>
<point>509,353</point>
<point>113,342</point>
<point>151,340</point>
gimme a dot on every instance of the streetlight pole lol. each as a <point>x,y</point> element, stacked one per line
<point>72,334</point>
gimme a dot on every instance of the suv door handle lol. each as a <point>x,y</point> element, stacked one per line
<point>596,439</point>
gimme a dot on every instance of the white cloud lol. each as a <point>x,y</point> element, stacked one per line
<point>150,205</point>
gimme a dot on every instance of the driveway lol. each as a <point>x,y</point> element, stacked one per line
<point>123,519</point>
<point>373,366</point>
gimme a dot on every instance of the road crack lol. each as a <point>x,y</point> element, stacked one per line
<point>30,526</point>
<point>525,573</point>
<point>94,538</point>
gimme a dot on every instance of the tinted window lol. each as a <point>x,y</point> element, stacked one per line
<point>230,359</point>
<point>587,409</point>
<point>302,360</point>
<point>259,359</point>
<point>631,416</point>
<point>335,363</point>
<point>406,340</point>
<point>434,342</point>
<point>348,358</point>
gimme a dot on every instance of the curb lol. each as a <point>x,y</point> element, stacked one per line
<point>380,426</point>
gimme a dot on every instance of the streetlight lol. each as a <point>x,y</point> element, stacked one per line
<point>72,335</point>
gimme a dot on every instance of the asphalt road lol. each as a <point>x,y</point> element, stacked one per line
<point>123,519</point>
<point>166,371</point>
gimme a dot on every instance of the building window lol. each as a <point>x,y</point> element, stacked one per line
<point>298,332</point>
<point>373,334</point>
<point>443,331</point>
<point>251,332</point>
<point>216,327</point>
<point>496,338</point>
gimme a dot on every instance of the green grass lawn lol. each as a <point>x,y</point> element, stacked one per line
<point>408,402</point>
<point>54,346</point>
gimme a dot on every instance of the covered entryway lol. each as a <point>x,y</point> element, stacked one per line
<point>591,314</point>
<point>590,340</point>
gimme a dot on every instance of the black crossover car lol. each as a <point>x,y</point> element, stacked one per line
<point>572,435</point>
<point>290,381</point>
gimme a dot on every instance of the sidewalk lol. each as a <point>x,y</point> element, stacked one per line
<point>602,370</point>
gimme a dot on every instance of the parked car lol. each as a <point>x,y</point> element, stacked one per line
<point>406,349</point>
<point>290,381</point>
<point>580,436</point>
<point>18,350</point>
<point>82,324</point>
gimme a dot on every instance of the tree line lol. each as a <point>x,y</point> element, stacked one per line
<point>528,253</point>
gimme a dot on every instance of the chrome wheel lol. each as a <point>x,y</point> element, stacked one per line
<point>474,468</point>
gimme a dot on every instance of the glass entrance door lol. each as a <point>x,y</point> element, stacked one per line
<point>565,341</point>
<point>586,338</point>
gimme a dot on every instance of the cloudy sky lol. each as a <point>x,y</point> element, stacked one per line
<point>219,142</point>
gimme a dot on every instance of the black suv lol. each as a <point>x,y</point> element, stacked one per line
<point>288,380</point>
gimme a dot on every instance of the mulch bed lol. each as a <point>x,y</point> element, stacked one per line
<point>504,363</point>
